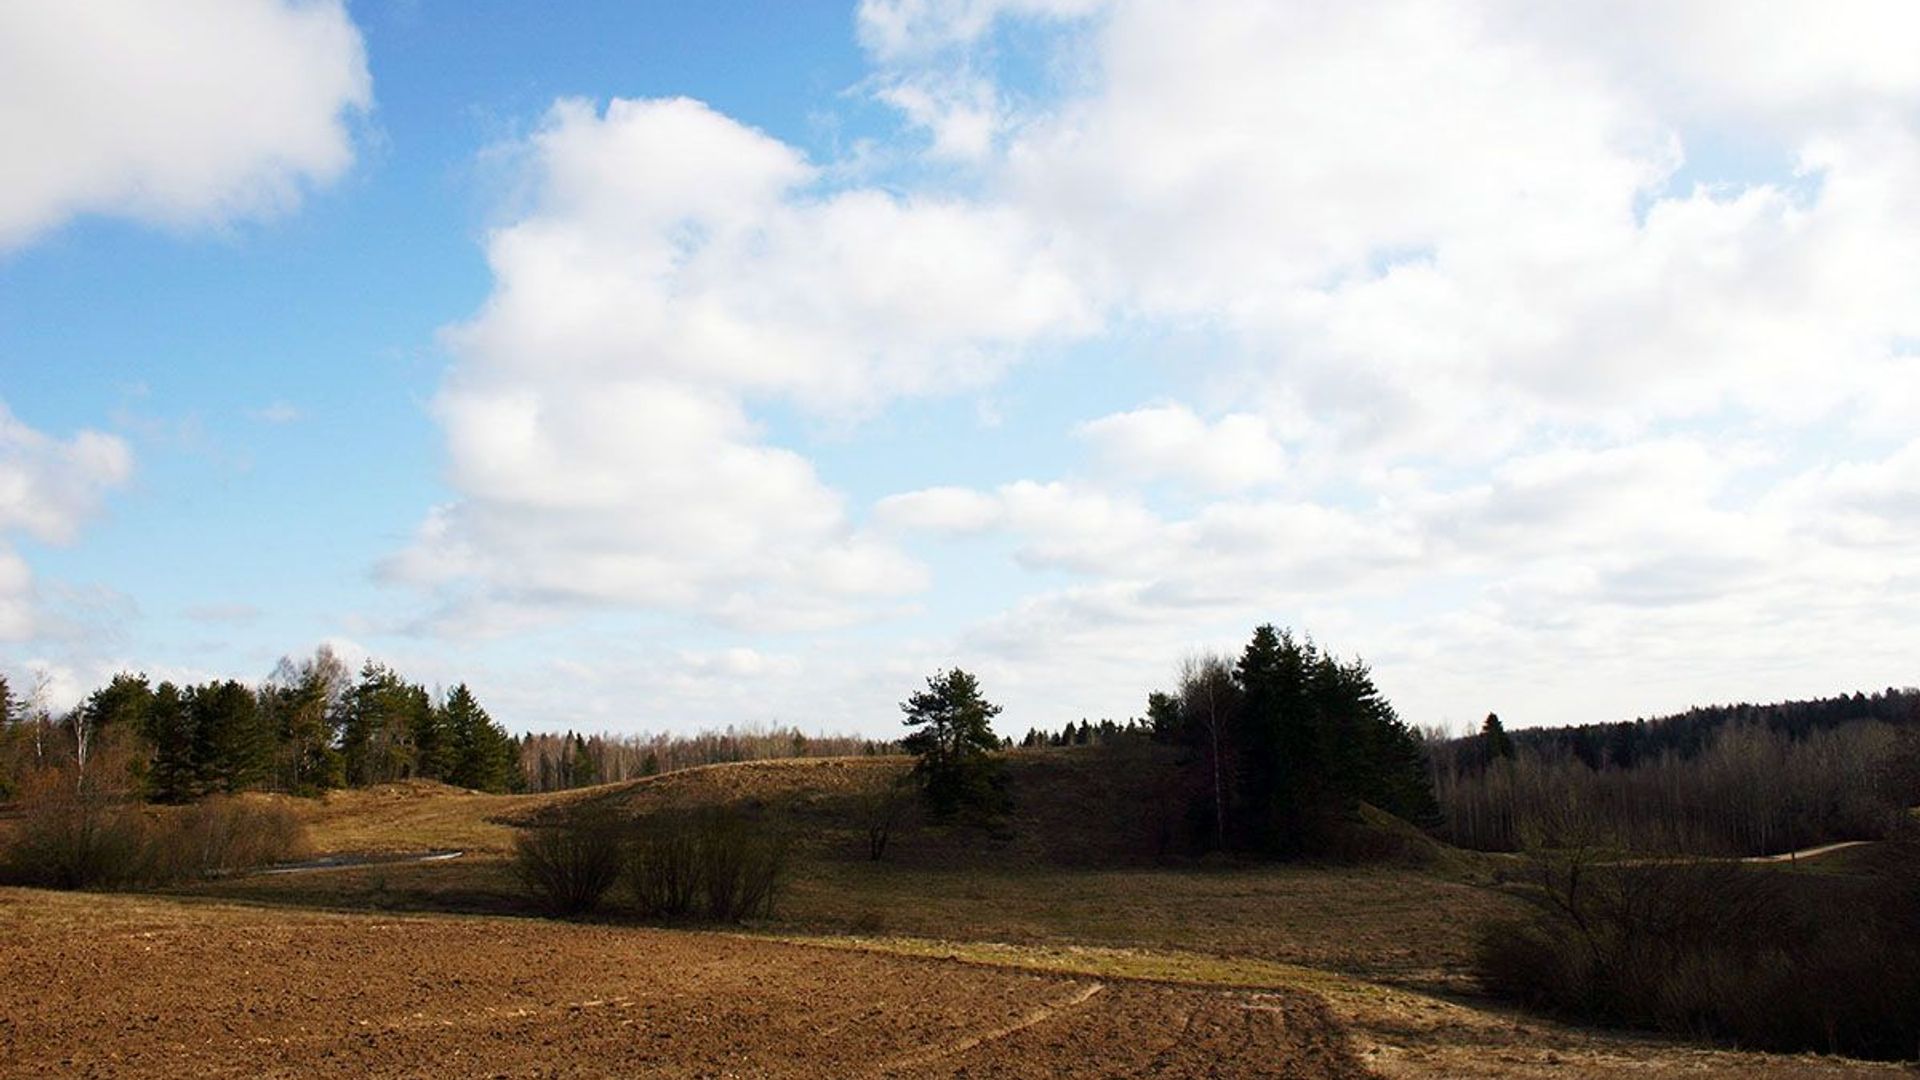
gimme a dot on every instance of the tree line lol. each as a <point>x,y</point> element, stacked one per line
<point>308,727</point>
<point>314,725</point>
<point>1624,744</point>
<point>1726,780</point>
<point>556,762</point>
<point>1104,733</point>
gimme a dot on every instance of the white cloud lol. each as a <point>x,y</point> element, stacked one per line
<point>639,493</point>
<point>898,29</point>
<point>177,114</point>
<point>950,510</point>
<point>674,264</point>
<point>1781,68</point>
<point>48,488</point>
<point>1169,441</point>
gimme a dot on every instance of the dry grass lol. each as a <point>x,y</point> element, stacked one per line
<point>1395,924</point>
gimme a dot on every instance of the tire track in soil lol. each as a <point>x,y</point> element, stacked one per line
<point>922,1058</point>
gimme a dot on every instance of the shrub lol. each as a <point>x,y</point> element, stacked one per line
<point>1774,960</point>
<point>74,837</point>
<point>664,869</point>
<point>221,835</point>
<point>742,864</point>
<point>570,865</point>
<point>722,861</point>
<point>75,840</point>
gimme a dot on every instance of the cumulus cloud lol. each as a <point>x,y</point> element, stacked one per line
<point>182,114</point>
<point>675,265</point>
<point>48,488</point>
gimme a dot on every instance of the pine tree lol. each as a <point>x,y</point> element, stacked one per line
<point>582,770</point>
<point>482,751</point>
<point>1495,742</point>
<point>231,748</point>
<point>380,717</point>
<point>954,740</point>
<point>174,777</point>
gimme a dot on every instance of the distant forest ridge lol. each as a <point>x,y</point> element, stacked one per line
<point>1625,744</point>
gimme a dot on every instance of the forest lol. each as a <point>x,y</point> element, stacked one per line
<point>1726,780</point>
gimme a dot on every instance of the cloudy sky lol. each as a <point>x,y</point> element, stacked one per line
<point>667,366</point>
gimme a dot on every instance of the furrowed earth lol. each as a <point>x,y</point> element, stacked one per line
<point>1045,949</point>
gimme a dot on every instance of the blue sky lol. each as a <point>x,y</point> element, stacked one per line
<point>670,366</point>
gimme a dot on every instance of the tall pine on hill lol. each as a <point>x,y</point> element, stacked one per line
<point>953,738</point>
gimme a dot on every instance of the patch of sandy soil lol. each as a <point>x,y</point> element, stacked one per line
<point>128,986</point>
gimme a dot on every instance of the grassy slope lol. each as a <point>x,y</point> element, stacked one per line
<point>1069,885</point>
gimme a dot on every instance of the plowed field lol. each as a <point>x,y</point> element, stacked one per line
<point>137,987</point>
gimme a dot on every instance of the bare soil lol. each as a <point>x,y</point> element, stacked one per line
<point>138,987</point>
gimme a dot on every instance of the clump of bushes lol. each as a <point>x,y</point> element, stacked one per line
<point>570,865</point>
<point>1771,960</point>
<point>741,864</point>
<point>222,835</point>
<point>715,863</point>
<point>76,842</point>
<point>72,836</point>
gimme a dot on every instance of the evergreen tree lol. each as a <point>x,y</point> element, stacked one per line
<point>954,740</point>
<point>231,746</point>
<point>1496,744</point>
<point>436,749</point>
<point>380,716</point>
<point>173,777</point>
<point>582,770</point>
<point>482,751</point>
<point>112,720</point>
<point>1290,742</point>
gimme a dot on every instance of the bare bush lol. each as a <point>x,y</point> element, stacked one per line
<point>569,866</point>
<point>72,835</point>
<point>721,860</point>
<point>664,869</point>
<point>1774,960</point>
<point>222,835</point>
<point>883,803</point>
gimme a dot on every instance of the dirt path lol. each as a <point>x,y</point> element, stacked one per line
<point>350,861</point>
<point>1805,853</point>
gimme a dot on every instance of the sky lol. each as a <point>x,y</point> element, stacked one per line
<point>668,366</point>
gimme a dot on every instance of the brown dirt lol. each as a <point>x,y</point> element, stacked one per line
<point>138,987</point>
